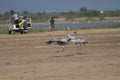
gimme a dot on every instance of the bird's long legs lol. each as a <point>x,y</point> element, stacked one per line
<point>63,48</point>
<point>78,45</point>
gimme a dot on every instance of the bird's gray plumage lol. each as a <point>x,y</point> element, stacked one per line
<point>75,39</point>
<point>60,42</point>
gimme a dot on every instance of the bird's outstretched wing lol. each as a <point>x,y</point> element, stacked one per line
<point>51,41</point>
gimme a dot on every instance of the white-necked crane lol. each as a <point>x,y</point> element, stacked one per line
<point>61,42</point>
<point>75,39</point>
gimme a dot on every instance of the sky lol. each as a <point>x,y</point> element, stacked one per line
<point>57,5</point>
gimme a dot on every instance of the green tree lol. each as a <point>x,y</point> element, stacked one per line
<point>83,9</point>
<point>11,12</point>
<point>25,12</point>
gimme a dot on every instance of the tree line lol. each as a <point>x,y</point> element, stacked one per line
<point>44,16</point>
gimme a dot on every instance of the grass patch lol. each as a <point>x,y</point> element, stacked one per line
<point>37,30</point>
<point>3,31</point>
<point>101,27</point>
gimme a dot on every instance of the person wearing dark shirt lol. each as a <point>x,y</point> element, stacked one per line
<point>52,23</point>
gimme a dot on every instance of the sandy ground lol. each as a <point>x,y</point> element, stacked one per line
<point>28,57</point>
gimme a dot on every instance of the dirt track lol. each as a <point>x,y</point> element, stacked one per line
<point>28,57</point>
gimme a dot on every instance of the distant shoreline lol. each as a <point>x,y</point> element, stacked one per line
<point>74,20</point>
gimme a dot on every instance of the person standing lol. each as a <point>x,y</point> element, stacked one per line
<point>15,16</point>
<point>52,23</point>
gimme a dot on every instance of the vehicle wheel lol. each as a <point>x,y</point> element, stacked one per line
<point>21,32</point>
<point>9,32</point>
<point>25,31</point>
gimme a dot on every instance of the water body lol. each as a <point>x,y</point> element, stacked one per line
<point>76,25</point>
<point>71,25</point>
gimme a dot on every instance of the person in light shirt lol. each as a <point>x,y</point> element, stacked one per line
<point>15,16</point>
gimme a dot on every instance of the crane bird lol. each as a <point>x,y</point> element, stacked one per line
<point>61,42</point>
<point>75,39</point>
